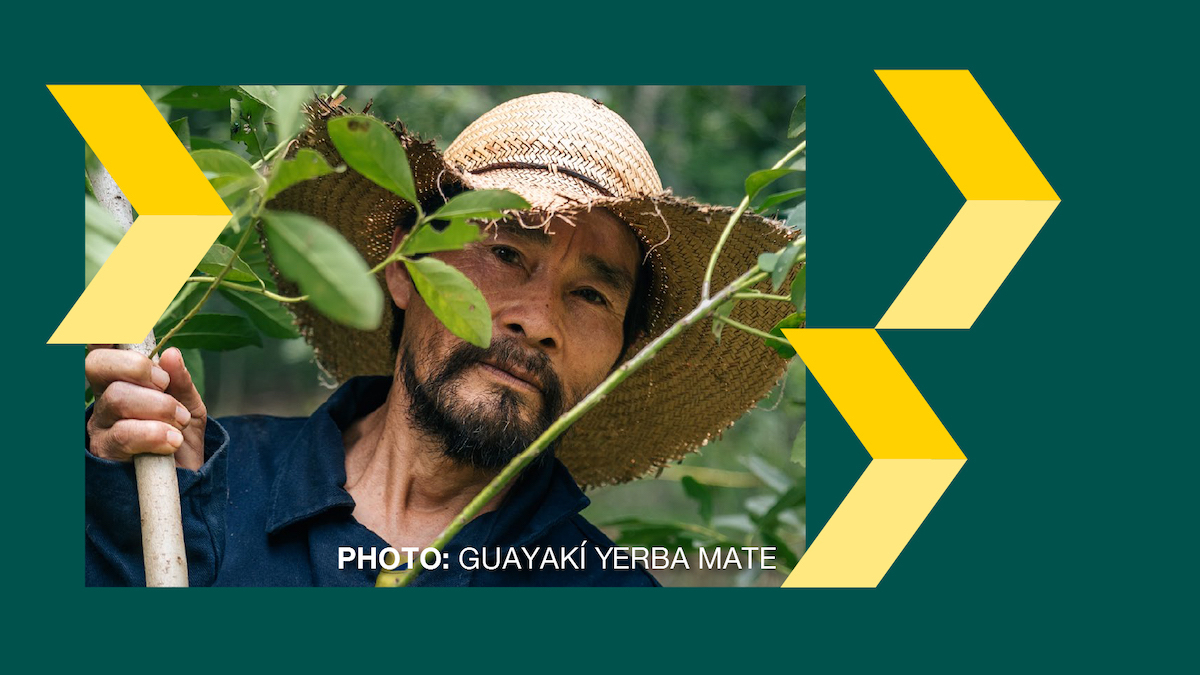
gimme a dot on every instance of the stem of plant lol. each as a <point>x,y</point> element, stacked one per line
<point>560,425</point>
<point>755,295</point>
<point>248,289</point>
<point>745,203</point>
<point>397,255</point>
<point>749,329</point>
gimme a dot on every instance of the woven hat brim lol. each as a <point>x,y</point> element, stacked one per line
<point>689,393</point>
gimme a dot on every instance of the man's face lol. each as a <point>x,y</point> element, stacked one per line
<point>558,298</point>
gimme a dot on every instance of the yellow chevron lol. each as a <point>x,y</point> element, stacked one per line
<point>1008,199</point>
<point>179,214</point>
<point>914,457</point>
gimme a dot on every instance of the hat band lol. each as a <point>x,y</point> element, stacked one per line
<point>552,168</point>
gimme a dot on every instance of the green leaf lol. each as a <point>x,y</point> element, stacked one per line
<point>263,93</point>
<point>428,240</point>
<point>800,446</point>
<point>786,260</point>
<point>209,144</point>
<point>780,198</point>
<point>766,261</point>
<point>195,366</point>
<point>231,176</point>
<point>735,521</point>
<point>370,148</point>
<point>326,267</point>
<point>288,107</point>
<point>248,119</point>
<point>183,132</point>
<point>218,256</point>
<point>796,218</point>
<point>772,477</point>
<point>216,332</point>
<point>185,300</point>
<point>793,497</point>
<point>722,309</point>
<point>199,98</point>
<point>453,299</point>
<point>798,123</point>
<point>701,495</point>
<point>307,164</point>
<point>784,348</point>
<point>268,315</point>
<point>256,258</point>
<point>638,532</point>
<point>798,288</point>
<point>481,204</point>
<point>761,179</point>
<point>101,234</point>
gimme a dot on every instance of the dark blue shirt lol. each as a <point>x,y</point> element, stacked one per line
<point>268,508</point>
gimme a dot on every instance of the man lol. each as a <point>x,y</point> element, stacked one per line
<point>602,263</point>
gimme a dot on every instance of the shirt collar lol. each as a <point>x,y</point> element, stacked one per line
<point>312,476</point>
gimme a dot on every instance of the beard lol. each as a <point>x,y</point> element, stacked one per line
<point>487,433</point>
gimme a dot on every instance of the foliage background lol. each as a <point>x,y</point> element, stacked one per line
<point>704,142</point>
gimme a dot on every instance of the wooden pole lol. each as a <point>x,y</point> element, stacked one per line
<point>164,555</point>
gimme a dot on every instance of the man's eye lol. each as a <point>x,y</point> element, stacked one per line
<point>591,295</point>
<point>507,255</point>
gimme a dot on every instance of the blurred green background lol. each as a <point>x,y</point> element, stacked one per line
<point>704,142</point>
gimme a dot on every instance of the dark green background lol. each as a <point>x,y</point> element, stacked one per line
<point>1064,542</point>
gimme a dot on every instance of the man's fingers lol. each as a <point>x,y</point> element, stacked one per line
<point>123,400</point>
<point>134,437</point>
<point>105,366</point>
<point>181,385</point>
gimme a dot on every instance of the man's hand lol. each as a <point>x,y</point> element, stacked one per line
<point>142,407</point>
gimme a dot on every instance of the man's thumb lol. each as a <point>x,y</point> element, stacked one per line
<point>181,386</point>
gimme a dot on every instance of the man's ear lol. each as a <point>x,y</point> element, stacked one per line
<point>399,284</point>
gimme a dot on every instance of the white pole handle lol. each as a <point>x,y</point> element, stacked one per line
<point>163,550</point>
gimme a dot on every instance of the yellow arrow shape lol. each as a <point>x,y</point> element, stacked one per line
<point>915,457</point>
<point>1008,199</point>
<point>179,214</point>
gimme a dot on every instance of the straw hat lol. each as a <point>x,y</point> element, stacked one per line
<point>565,153</point>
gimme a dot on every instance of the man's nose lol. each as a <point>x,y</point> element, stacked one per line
<point>530,313</point>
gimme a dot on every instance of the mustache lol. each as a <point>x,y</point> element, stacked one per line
<point>507,353</point>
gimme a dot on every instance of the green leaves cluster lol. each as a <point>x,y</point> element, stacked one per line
<point>371,148</point>
<point>248,169</point>
<point>768,516</point>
